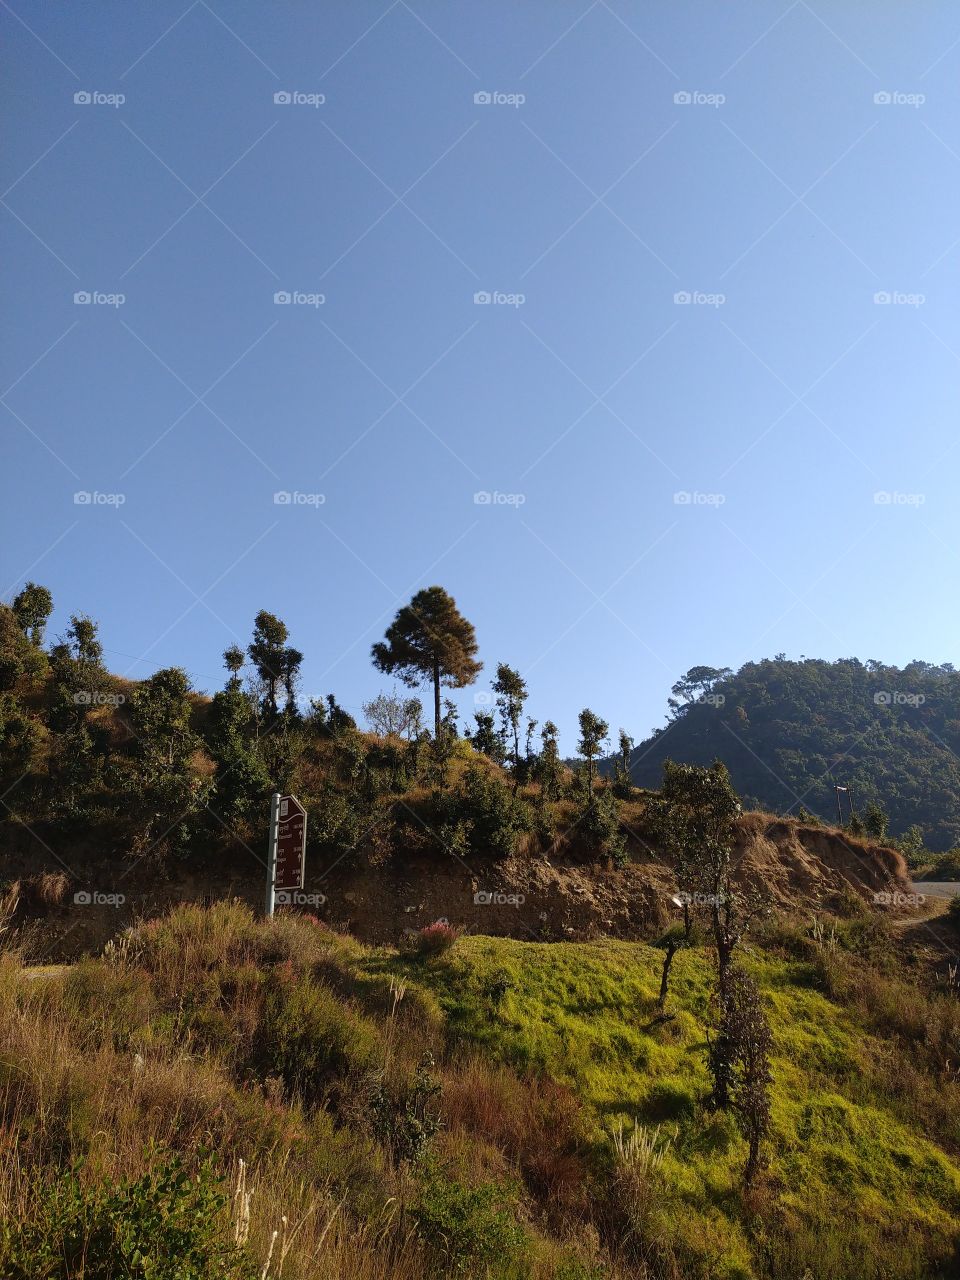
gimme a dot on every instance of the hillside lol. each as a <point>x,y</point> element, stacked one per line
<point>220,1097</point>
<point>790,731</point>
<point>136,796</point>
<point>523,1022</point>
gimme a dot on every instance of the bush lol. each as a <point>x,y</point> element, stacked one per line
<point>491,814</point>
<point>946,867</point>
<point>436,939</point>
<point>600,826</point>
<point>467,1229</point>
<point>404,1116</point>
<point>166,1225</point>
<point>311,1039</point>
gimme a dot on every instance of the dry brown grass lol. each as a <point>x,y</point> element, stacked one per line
<point>102,1064</point>
<point>66,1094</point>
<point>537,1124</point>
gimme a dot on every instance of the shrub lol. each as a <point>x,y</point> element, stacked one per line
<point>946,867</point>
<point>165,1225</point>
<point>493,816</point>
<point>405,1116</point>
<point>600,826</point>
<point>436,939</point>
<point>311,1039</point>
<point>467,1229</point>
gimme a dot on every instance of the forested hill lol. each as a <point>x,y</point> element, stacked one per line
<point>790,731</point>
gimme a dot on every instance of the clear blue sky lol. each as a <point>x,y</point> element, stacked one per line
<point>783,186</point>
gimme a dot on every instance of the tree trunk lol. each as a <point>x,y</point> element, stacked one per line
<point>436,697</point>
<point>665,975</point>
<point>753,1161</point>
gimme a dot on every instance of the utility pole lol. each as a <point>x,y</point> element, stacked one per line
<point>846,792</point>
<point>272,851</point>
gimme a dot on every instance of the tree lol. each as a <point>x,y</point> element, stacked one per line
<point>168,785</point>
<point>242,779</point>
<point>593,733</point>
<point>528,751</point>
<point>76,661</point>
<point>669,942</point>
<point>161,720</point>
<point>328,719</point>
<point>740,1058</point>
<point>694,818</point>
<point>912,846</point>
<point>511,694</point>
<point>875,822</point>
<point>695,685</point>
<point>17,655</point>
<point>485,737</point>
<point>391,715</point>
<point>621,780</point>
<point>277,665</point>
<point>85,648</point>
<point>233,660</point>
<point>430,640</point>
<point>32,608</point>
<point>549,770</point>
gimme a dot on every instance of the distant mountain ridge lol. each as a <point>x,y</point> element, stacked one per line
<point>789,732</point>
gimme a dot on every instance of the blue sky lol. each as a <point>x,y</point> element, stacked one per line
<point>780,165</point>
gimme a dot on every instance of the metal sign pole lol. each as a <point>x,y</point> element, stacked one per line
<point>272,851</point>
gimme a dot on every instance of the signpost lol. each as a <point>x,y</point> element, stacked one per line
<point>287,849</point>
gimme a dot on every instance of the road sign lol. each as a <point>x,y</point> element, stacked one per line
<point>291,844</point>
<point>287,848</point>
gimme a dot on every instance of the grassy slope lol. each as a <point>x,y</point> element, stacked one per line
<point>259,1040</point>
<point>582,1012</point>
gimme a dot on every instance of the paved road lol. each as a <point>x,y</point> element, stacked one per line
<point>937,888</point>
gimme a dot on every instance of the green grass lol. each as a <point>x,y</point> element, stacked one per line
<point>506,1068</point>
<point>840,1154</point>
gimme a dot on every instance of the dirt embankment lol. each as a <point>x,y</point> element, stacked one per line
<point>796,867</point>
<point>801,866</point>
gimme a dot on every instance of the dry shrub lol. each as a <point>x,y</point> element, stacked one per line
<point>45,889</point>
<point>537,1123</point>
<point>435,939</point>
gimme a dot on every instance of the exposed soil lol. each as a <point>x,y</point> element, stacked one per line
<point>795,866</point>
